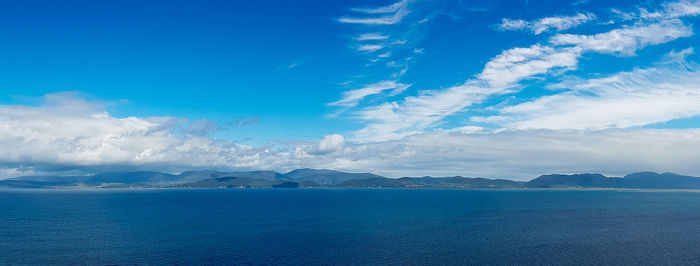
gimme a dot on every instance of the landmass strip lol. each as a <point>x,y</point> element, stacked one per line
<point>314,178</point>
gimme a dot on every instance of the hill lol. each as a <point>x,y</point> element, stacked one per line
<point>642,180</point>
<point>326,177</point>
<point>576,180</point>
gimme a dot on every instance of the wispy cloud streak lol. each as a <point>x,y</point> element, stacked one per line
<point>352,97</point>
<point>558,23</point>
<point>626,41</point>
<point>627,99</point>
<point>394,14</point>
<point>371,37</point>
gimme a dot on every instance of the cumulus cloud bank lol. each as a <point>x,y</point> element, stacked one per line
<point>69,134</point>
<point>66,132</point>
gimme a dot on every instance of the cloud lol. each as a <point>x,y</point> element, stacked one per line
<point>292,65</point>
<point>627,40</point>
<point>394,14</point>
<point>516,64</point>
<point>388,33</point>
<point>414,114</point>
<point>329,144</point>
<point>386,20</point>
<point>393,120</point>
<point>670,10</point>
<point>56,138</point>
<point>370,47</point>
<point>384,55</point>
<point>47,138</point>
<point>579,2</point>
<point>371,37</point>
<point>72,133</point>
<point>393,8</point>
<point>523,154</point>
<point>681,8</point>
<point>352,97</point>
<point>627,99</point>
<point>558,23</point>
<point>678,57</point>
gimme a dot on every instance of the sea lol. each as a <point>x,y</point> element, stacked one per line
<point>349,227</point>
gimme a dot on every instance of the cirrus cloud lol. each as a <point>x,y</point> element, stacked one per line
<point>558,23</point>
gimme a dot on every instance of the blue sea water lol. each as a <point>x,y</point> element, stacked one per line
<point>348,226</point>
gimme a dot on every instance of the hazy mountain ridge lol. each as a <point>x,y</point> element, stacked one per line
<point>641,180</point>
<point>308,178</point>
<point>327,177</point>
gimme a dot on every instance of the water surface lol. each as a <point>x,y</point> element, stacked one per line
<point>348,226</point>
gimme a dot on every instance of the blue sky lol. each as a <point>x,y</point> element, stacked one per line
<point>338,84</point>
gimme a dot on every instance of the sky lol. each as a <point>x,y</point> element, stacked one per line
<point>497,89</point>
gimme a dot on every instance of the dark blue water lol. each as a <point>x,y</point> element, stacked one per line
<point>348,226</point>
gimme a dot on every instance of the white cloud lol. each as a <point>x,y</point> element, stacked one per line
<point>352,97</point>
<point>386,20</point>
<point>525,154</point>
<point>394,14</point>
<point>329,144</point>
<point>516,64</point>
<point>77,136</point>
<point>678,57</point>
<point>73,133</point>
<point>558,23</point>
<point>370,47</point>
<point>513,24</point>
<point>670,10</point>
<point>392,120</point>
<point>626,41</point>
<point>416,113</point>
<point>387,32</point>
<point>385,9</point>
<point>628,99</point>
<point>384,55</point>
<point>371,37</point>
<point>579,2</point>
<point>682,8</point>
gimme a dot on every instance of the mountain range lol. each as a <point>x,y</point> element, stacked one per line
<point>309,178</point>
